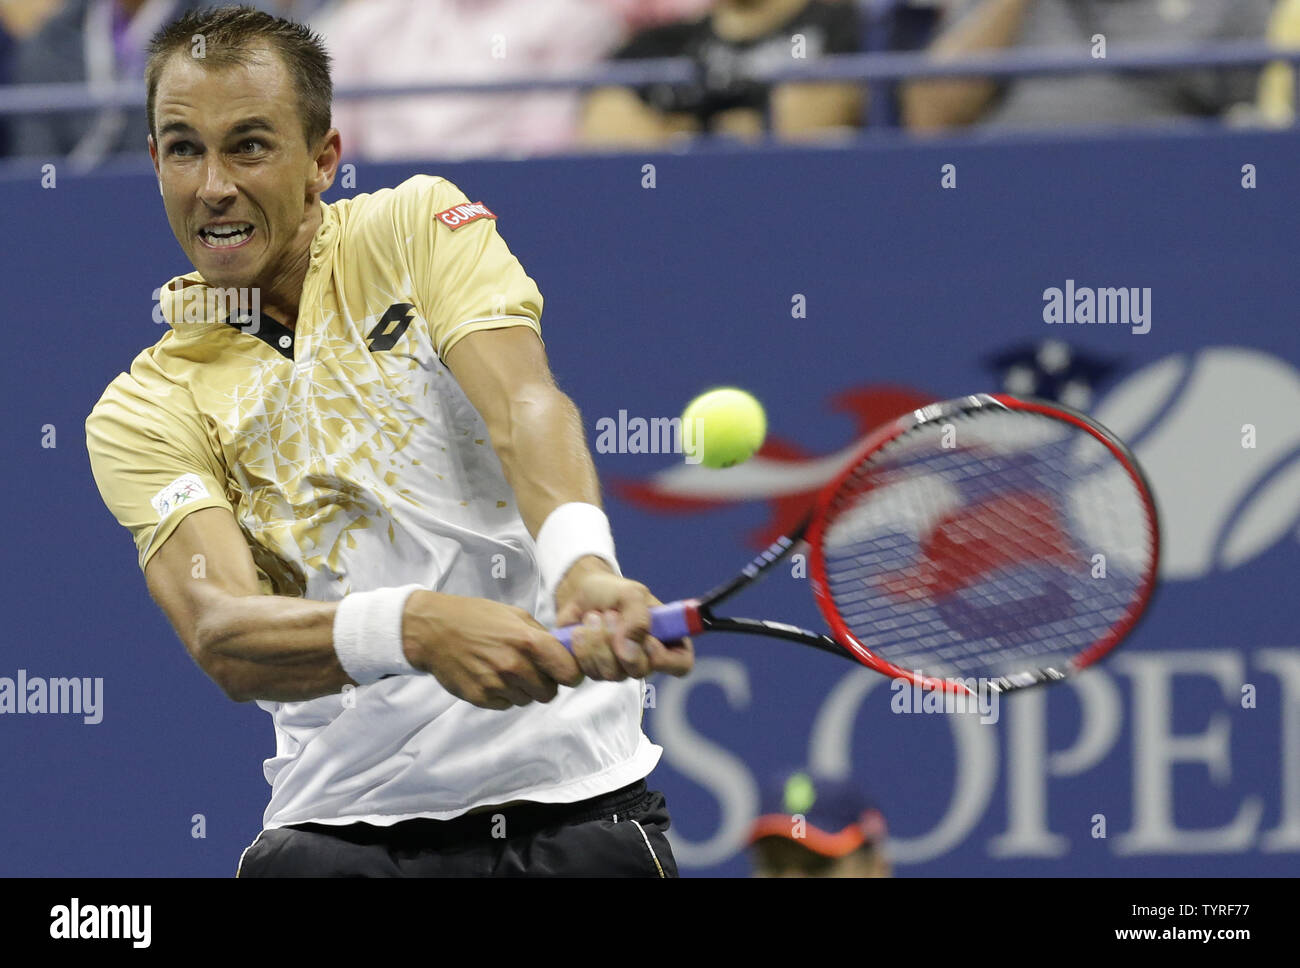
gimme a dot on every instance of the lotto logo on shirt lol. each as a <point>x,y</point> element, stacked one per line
<point>454,218</point>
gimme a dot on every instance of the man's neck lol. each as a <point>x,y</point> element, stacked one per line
<point>281,297</point>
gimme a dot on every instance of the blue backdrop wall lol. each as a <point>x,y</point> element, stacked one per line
<point>839,286</point>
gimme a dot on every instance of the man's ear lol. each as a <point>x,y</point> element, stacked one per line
<point>326,162</point>
<point>153,156</point>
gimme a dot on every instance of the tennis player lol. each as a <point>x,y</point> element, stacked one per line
<point>360,499</point>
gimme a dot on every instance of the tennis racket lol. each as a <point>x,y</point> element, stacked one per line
<point>988,542</point>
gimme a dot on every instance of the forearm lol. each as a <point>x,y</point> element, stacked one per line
<point>270,647</point>
<point>546,461</point>
<point>282,649</point>
<point>940,103</point>
<point>543,451</point>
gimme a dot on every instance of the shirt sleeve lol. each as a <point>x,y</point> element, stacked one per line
<point>462,270</point>
<point>152,467</point>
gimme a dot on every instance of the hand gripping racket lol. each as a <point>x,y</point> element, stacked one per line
<point>988,541</point>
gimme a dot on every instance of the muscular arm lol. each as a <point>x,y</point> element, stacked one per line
<point>940,103</point>
<point>493,655</point>
<point>254,646</point>
<point>281,649</point>
<point>537,433</point>
<point>536,430</point>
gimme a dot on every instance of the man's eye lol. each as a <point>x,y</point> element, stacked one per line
<point>250,144</point>
<point>180,148</point>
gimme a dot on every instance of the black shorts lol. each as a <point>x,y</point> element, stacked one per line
<point>619,834</point>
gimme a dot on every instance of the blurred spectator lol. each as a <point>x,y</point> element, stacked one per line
<point>19,19</point>
<point>302,11</point>
<point>97,41</point>
<point>413,41</point>
<point>817,828</point>
<point>1107,98</point>
<point>22,18</point>
<point>1277,82</point>
<point>637,14</point>
<point>737,37</point>
<point>912,22</point>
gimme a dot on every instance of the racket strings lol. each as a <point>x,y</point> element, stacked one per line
<point>987,546</point>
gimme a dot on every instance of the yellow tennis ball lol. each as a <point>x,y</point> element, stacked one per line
<point>723,427</point>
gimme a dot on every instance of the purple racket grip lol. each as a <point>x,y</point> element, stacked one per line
<point>668,623</point>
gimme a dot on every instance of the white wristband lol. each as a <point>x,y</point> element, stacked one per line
<point>368,634</point>
<point>570,532</point>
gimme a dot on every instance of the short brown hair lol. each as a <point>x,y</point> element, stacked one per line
<point>227,34</point>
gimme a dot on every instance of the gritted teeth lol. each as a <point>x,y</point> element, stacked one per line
<point>229,233</point>
<point>227,228</point>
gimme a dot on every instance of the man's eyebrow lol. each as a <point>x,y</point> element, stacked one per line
<point>252,124</point>
<point>240,127</point>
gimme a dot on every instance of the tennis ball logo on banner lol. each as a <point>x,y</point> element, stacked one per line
<point>1224,418</point>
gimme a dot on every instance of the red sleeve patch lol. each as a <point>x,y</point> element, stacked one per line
<point>454,218</point>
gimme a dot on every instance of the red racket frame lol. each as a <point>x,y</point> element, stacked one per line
<point>881,438</point>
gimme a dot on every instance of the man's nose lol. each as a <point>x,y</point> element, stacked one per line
<point>217,187</point>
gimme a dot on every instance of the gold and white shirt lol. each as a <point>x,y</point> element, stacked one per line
<point>352,460</point>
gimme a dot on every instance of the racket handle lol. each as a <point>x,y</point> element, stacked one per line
<point>668,623</point>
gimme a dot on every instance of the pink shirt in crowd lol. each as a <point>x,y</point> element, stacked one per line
<point>410,41</point>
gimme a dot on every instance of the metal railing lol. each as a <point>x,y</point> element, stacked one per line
<point>864,68</point>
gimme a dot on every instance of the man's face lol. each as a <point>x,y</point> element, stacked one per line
<point>235,171</point>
